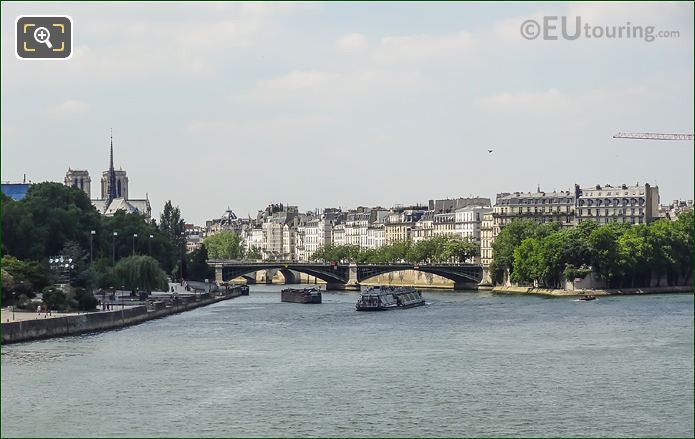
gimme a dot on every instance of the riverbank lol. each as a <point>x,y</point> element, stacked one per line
<point>598,292</point>
<point>74,324</point>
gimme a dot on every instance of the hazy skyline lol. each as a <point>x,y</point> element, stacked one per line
<point>344,104</point>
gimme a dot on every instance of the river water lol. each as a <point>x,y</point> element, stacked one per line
<point>468,364</point>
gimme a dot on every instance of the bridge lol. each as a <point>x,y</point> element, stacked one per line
<point>346,276</point>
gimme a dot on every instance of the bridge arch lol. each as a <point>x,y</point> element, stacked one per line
<point>289,276</point>
<point>327,274</point>
<point>466,274</point>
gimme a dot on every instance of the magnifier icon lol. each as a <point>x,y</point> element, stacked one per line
<point>42,35</point>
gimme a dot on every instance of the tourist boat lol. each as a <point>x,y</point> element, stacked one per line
<point>304,295</point>
<point>379,298</point>
<point>587,298</point>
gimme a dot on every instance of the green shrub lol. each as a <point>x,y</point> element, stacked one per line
<point>85,300</point>
<point>55,299</point>
<point>22,301</point>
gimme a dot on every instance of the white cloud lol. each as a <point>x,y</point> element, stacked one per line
<point>116,41</point>
<point>298,80</point>
<point>555,102</point>
<point>424,47</point>
<point>147,47</point>
<point>341,82</point>
<point>509,30</point>
<point>353,42</point>
<point>72,107</point>
<point>618,13</point>
<point>258,126</point>
<point>546,101</point>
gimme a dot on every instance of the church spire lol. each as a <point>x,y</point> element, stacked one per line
<point>111,157</point>
<point>112,177</point>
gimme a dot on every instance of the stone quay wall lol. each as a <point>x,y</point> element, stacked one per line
<point>594,292</point>
<point>27,330</point>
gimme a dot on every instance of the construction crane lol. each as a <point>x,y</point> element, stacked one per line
<point>653,136</point>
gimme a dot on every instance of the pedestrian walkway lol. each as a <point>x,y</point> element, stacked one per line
<point>7,315</point>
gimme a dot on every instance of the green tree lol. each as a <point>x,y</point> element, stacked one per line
<point>140,273</point>
<point>527,266</point>
<point>506,242</point>
<point>224,245</point>
<point>254,253</point>
<point>56,299</point>
<point>50,215</point>
<point>7,280</point>
<point>126,225</point>
<point>423,251</point>
<point>458,249</point>
<point>85,300</point>
<point>603,242</point>
<point>635,254</point>
<point>173,226</point>
<point>662,236</point>
<point>683,245</point>
<point>558,249</point>
<point>337,253</point>
<point>198,268</point>
<point>28,276</point>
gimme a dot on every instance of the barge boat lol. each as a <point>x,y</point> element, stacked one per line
<point>304,295</point>
<point>379,298</point>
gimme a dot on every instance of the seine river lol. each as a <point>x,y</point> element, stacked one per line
<point>468,364</point>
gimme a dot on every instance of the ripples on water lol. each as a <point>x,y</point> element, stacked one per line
<point>468,364</point>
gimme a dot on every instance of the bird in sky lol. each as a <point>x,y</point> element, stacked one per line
<point>489,151</point>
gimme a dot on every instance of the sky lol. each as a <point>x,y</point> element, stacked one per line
<point>239,105</point>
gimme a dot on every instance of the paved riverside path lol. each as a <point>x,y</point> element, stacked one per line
<point>21,316</point>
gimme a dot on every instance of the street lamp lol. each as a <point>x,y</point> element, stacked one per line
<point>135,235</point>
<point>182,255</point>
<point>150,244</point>
<point>91,236</point>
<point>113,249</point>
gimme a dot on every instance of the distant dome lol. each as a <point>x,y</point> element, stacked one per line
<point>229,215</point>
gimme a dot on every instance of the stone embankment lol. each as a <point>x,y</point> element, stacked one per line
<point>597,292</point>
<point>26,330</point>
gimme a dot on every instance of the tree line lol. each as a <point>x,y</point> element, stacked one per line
<point>439,249</point>
<point>121,251</point>
<point>621,254</point>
